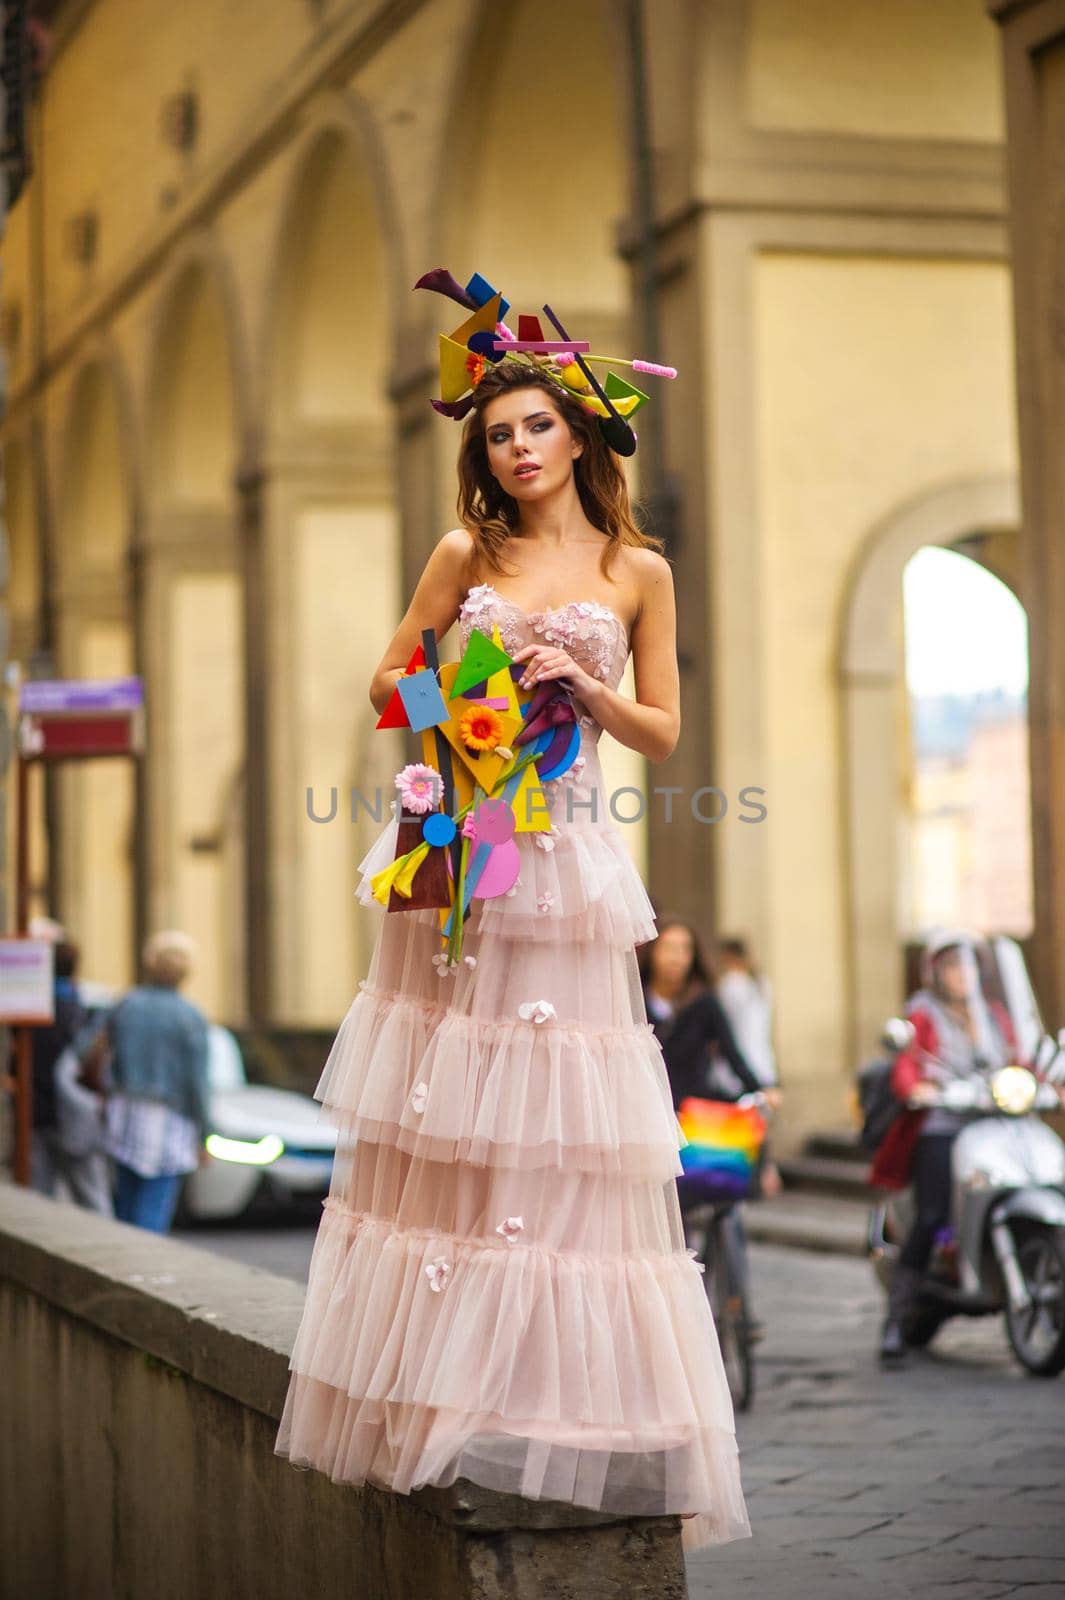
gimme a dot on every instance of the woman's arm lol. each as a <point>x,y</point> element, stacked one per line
<point>434,604</point>
<point>650,724</point>
<point>908,1070</point>
<point>718,1030</point>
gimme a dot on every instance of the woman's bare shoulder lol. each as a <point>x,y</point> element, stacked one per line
<point>456,547</point>
<point>450,562</point>
<point>650,577</point>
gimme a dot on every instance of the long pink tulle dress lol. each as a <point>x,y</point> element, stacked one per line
<point>500,1288</point>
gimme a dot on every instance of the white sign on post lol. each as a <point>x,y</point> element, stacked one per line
<point>27,992</point>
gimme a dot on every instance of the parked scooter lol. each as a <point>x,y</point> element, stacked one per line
<point>1004,1250</point>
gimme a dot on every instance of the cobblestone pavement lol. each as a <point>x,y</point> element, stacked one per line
<point>944,1479</point>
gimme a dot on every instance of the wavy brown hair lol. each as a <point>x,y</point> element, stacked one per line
<point>492,516</point>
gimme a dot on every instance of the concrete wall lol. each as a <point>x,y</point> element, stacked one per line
<point>141,1382</point>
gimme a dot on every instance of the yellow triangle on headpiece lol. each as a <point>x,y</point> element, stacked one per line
<point>455,376</point>
<point>484,320</point>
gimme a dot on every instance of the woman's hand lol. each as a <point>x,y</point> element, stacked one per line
<point>545,661</point>
<point>924,1093</point>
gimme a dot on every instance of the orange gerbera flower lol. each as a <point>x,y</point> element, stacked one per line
<point>475,364</point>
<point>480,728</point>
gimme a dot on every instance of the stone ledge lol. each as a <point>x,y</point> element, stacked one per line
<point>227,1326</point>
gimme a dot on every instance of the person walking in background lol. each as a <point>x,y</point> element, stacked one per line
<point>157,1103</point>
<point>748,1003</point>
<point>67,1149</point>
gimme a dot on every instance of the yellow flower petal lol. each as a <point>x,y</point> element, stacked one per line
<point>398,874</point>
<point>403,881</point>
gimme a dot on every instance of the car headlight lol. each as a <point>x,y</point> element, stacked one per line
<point>1013,1090</point>
<point>259,1153</point>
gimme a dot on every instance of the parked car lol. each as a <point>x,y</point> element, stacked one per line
<point>267,1146</point>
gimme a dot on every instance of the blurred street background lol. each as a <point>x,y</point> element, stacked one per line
<point>842,221</point>
<point>223,473</point>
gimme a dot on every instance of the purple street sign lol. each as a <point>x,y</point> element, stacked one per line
<point>81,694</point>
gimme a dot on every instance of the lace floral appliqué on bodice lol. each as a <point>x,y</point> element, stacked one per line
<point>591,633</point>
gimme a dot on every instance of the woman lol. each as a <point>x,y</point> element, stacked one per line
<point>688,1018</point>
<point>502,1261</point>
<point>956,1033</point>
<point>696,1037</point>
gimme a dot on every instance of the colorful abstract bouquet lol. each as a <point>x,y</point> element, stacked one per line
<point>487,748</point>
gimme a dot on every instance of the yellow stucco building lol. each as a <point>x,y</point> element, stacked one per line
<point>223,470</point>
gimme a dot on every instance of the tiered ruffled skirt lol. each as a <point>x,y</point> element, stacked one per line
<point>500,1288</point>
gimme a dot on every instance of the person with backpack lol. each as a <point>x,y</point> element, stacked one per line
<point>959,1032</point>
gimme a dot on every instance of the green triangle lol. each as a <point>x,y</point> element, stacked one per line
<point>617,388</point>
<point>480,659</point>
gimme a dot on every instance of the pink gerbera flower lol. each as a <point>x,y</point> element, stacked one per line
<point>419,787</point>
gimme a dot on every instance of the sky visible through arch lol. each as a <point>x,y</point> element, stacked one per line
<point>966,632</point>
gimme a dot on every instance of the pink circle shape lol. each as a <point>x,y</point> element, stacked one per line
<point>495,821</point>
<point>500,872</point>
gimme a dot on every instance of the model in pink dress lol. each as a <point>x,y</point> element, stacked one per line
<point>500,1289</point>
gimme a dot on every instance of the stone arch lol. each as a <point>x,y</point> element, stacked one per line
<point>562,149</point>
<point>329,556</point>
<point>23,527</point>
<point>336,270</point>
<point>199,424</point>
<point>872,681</point>
<point>93,627</point>
<point>98,469</point>
<point>200,436</point>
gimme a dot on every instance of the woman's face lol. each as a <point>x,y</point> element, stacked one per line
<point>954,975</point>
<point>531,447</point>
<point>671,955</point>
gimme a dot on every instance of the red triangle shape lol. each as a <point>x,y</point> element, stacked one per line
<point>394,715</point>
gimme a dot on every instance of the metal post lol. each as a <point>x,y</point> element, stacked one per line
<point>23,1038</point>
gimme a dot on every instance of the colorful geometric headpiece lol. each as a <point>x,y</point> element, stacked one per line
<point>484,339</point>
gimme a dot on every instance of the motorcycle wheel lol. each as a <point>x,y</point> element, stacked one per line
<point>1037,1334</point>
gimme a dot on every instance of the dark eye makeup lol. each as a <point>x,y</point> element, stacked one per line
<point>497,437</point>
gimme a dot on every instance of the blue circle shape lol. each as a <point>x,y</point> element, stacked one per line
<point>481,344</point>
<point>438,828</point>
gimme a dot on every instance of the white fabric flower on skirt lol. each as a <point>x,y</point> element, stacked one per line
<point>438,1272</point>
<point>536,1011</point>
<point>512,891</point>
<point>419,1097</point>
<point>544,840</point>
<point>444,967</point>
<point>510,1227</point>
<point>545,902</point>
